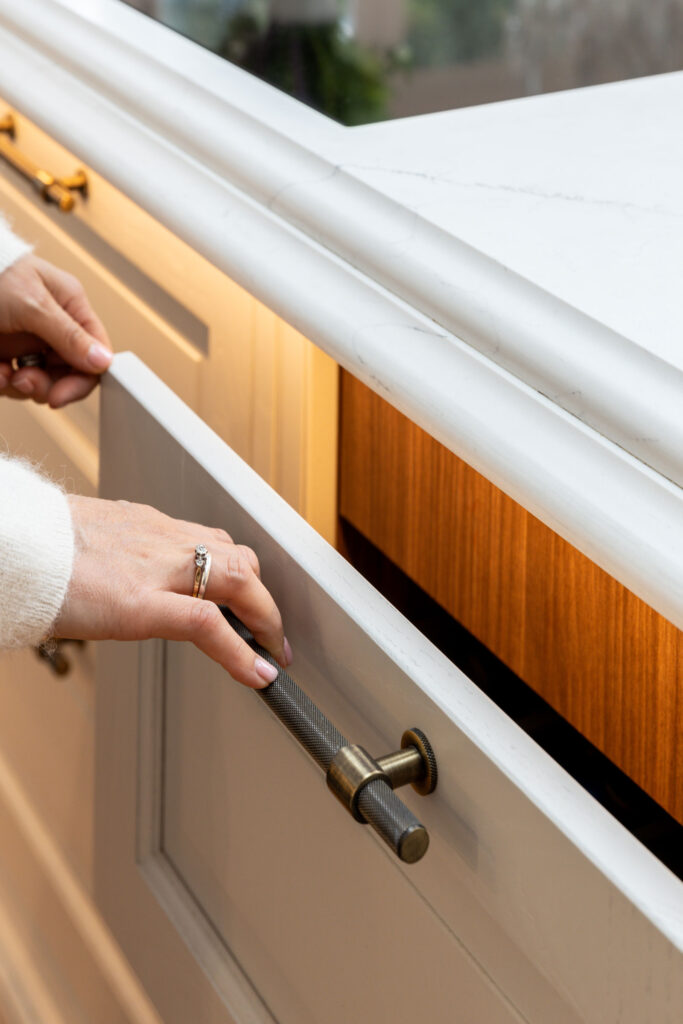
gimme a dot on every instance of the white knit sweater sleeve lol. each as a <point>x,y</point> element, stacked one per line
<point>12,247</point>
<point>36,535</point>
<point>36,553</point>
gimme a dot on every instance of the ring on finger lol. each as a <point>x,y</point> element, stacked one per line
<point>29,359</point>
<point>202,563</point>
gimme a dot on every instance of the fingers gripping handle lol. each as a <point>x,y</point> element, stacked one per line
<point>360,782</point>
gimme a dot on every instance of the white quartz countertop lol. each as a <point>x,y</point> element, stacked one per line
<point>579,192</point>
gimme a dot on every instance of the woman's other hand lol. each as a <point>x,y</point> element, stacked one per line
<point>133,574</point>
<point>44,309</point>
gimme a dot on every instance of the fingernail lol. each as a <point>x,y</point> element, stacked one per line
<point>99,357</point>
<point>289,657</point>
<point>25,386</point>
<point>265,670</point>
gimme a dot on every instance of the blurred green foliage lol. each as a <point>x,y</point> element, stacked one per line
<point>323,66</point>
<point>316,62</point>
<point>449,31</point>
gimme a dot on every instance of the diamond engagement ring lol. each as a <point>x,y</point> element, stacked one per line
<point>202,562</point>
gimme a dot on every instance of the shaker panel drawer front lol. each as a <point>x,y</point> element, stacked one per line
<point>322,923</point>
<point>242,891</point>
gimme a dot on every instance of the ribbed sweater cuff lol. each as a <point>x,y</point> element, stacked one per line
<point>12,248</point>
<point>36,553</point>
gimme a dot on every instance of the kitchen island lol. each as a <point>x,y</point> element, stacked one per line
<point>500,286</point>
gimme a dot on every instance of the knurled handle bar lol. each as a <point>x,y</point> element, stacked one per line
<point>362,783</point>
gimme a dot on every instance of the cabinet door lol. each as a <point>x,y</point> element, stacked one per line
<point>238,887</point>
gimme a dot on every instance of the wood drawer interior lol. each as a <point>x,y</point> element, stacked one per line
<point>596,653</point>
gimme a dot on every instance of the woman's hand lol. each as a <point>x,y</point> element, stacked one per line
<point>133,574</point>
<point>43,309</point>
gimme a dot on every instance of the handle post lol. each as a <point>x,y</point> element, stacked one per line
<point>363,784</point>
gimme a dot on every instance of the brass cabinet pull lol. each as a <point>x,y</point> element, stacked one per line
<point>365,785</point>
<point>53,190</point>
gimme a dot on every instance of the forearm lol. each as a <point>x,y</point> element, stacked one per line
<point>36,553</point>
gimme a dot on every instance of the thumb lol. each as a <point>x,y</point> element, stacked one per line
<point>67,337</point>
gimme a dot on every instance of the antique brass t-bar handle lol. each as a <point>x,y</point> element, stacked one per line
<point>52,189</point>
<point>365,785</point>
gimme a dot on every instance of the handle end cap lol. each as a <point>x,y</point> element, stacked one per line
<point>413,844</point>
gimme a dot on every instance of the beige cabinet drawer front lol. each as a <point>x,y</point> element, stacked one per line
<point>316,914</point>
<point>261,385</point>
<point>234,881</point>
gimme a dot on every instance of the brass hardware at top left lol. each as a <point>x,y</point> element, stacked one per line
<point>52,189</point>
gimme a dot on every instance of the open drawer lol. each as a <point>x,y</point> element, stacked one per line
<point>239,888</point>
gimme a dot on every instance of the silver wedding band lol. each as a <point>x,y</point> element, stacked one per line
<point>29,359</point>
<point>202,568</point>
